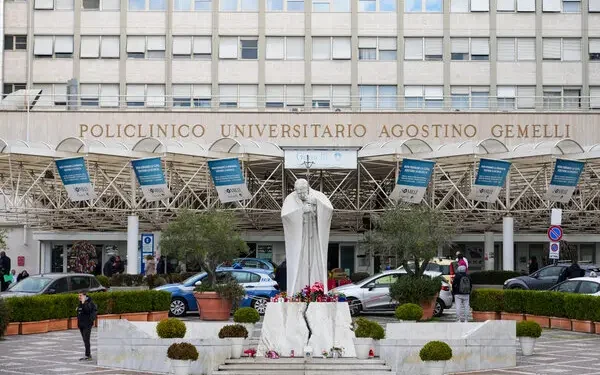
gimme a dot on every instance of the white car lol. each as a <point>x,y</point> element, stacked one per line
<point>581,285</point>
<point>373,293</point>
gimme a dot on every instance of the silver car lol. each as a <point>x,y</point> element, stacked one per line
<point>373,293</point>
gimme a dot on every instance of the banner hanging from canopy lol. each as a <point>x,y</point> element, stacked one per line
<point>229,180</point>
<point>150,176</point>
<point>413,180</point>
<point>564,180</point>
<point>490,179</point>
<point>76,179</point>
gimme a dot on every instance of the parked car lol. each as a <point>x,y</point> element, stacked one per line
<point>545,278</point>
<point>259,285</point>
<point>373,293</point>
<point>54,283</point>
<point>582,285</point>
<point>258,263</point>
<point>442,265</point>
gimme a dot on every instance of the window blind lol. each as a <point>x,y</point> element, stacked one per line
<point>202,45</point>
<point>321,48</point>
<point>551,48</point>
<point>248,96</point>
<point>109,95</point>
<point>413,91</point>
<point>367,42</point>
<point>182,45</point>
<point>413,49</point>
<point>136,44</point>
<point>275,48</point>
<point>42,45</point>
<point>526,49</point>
<point>526,5</point>
<point>342,48</point>
<point>388,44</point>
<point>63,44</point>
<point>480,46</point>
<point>110,47</point>
<point>90,47</point>
<point>572,49</point>
<point>480,5</point>
<point>551,5</point>
<point>525,97</point>
<point>135,93</point>
<point>294,95</point>
<point>506,49</point>
<point>459,6</point>
<point>506,5</point>
<point>341,96</point>
<point>460,45</point>
<point>294,48</point>
<point>433,46</point>
<point>155,96</point>
<point>506,92</point>
<point>228,48</point>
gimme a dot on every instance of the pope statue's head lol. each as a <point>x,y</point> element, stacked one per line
<point>302,189</point>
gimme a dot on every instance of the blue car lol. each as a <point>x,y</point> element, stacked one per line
<point>258,283</point>
<point>254,263</point>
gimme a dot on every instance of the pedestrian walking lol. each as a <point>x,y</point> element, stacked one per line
<point>86,316</point>
<point>533,265</point>
<point>461,260</point>
<point>108,267</point>
<point>150,265</point>
<point>4,271</point>
<point>461,289</point>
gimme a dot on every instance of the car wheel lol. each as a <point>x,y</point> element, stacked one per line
<point>178,307</point>
<point>260,305</point>
<point>438,310</point>
<point>355,306</point>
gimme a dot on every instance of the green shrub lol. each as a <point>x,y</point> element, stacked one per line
<point>435,351</point>
<point>487,300</point>
<point>492,277</point>
<point>161,300</point>
<point>536,302</point>
<point>182,352</point>
<point>368,328</point>
<point>359,276</point>
<point>170,328</point>
<point>580,307</point>
<point>132,301</point>
<point>415,290</point>
<point>528,328</point>
<point>5,315</point>
<point>233,330</point>
<point>103,280</point>
<point>231,291</point>
<point>63,306</point>
<point>104,302</point>
<point>409,311</point>
<point>514,301</point>
<point>556,304</point>
<point>246,315</point>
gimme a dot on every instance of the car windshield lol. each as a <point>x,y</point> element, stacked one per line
<point>31,285</point>
<point>192,279</point>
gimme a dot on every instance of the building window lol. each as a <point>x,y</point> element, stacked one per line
<point>417,97</point>
<point>284,96</point>
<point>192,5</point>
<point>244,48</point>
<point>515,5</point>
<point>15,42</point>
<point>595,97</point>
<point>146,47</point>
<point>192,47</point>
<point>334,48</point>
<point>285,48</point>
<point>331,5</point>
<point>197,96</point>
<point>9,88</point>
<point>382,97</point>
<point>562,49</point>
<point>145,95</point>
<point>238,96</point>
<point>376,5</point>
<point>594,49</point>
<point>53,5</point>
<point>249,48</point>
<point>331,96</point>
<point>565,6</point>
<point>295,5</point>
<point>474,49</point>
<point>99,95</point>
<point>52,95</point>
<point>108,5</point>
<point>95,47</point>
<point>516,49</point>
<point>594,6</point>
<point>429,6</point>
<point>137,5</point>
<point>377,48</point>
<point>465,97</point>
<point>47,46</point>
<point>465,6</point>
<point>558,98</point>
<point>428,49</point>
<point>239,5</point>
<point>511,97</point>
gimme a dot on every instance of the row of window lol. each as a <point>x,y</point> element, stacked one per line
<point>410,6</point>
<point>323,96</point>
<point>292,48</point>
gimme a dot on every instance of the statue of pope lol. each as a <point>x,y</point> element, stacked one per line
<point>306,217</point>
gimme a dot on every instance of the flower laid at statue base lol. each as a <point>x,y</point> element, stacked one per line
<point>272,354</point>
<point>83,259</point>
<point>314,293</point>
<point>250,352</point>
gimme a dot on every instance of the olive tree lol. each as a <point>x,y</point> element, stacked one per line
<point>209,238</point>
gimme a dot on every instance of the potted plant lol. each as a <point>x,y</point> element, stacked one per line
<point>486,304</point>
<point>216,301</point>
<point>409,312</point>
<point>171,328</point>
<point>181,356</point>
<point>366,331</point>
<point>435,354</point>
<point>421,291</point>
<point>528,332</point>
<point>236,333</point>
<point>248,317</point>
<point>208,238</point>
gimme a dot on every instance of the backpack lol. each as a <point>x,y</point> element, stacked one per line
<point>464,285</point>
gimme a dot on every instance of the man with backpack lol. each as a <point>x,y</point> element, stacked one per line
<point>461,289</point>
<point>86,316</point>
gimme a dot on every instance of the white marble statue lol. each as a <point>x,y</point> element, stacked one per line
<point>306,216</point>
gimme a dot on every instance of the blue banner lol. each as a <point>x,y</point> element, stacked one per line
<point>413,180</point>
<point>150,176</point>
<point>490,179</point>
<point>564,180</point>
<point>74,175</point>
<point>228,179</point>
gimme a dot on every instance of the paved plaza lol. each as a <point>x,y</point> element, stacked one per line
<point>557,352</point>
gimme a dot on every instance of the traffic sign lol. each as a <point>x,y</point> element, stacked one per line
<point>555,233</point>
<point>554,250</point>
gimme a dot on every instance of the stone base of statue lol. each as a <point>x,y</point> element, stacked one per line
<point>285,329</point>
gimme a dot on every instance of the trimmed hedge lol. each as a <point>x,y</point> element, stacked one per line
<point>5,313</point>
<point>487,300</point>
<point>150,281</point>
<point>492,277</point>
<point>580,307</point>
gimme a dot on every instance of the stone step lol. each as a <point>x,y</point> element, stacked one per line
<point>305,367</point>
<point>267,371</point>
<point>345,361</point>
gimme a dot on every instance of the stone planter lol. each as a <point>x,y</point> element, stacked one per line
<point>135,317</point>
<point>249,328</point>
<point>28,328</point>
<point>157,316</point>
<point>543,321</point>
<point>482,316</point>
<point>58,325</point>
<point>435,367</point>
<point>527,345</point>
<point>180,367</point>
<point>12,329</point>
<point>428,308</point>
<point>585,326</point>
<point>237,347</point>
<point>362,346</point>
<point>597,328</point>
<point>212,307</point>
<point>73,323</point>
<point>512,316</point>
<point>106,317</point>
<point>560,323</point>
